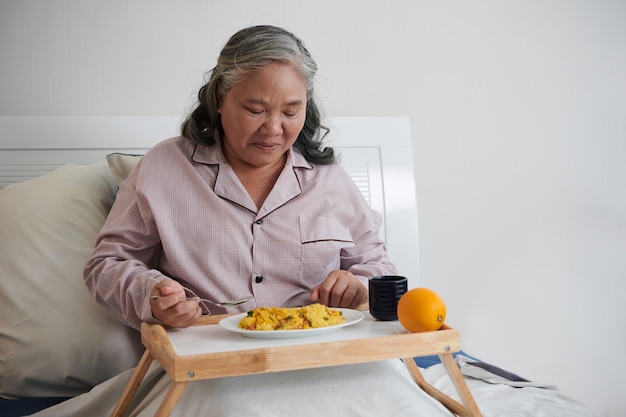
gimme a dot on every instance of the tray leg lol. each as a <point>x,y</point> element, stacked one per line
<point>133,384</point>
<point>459,384</point>
<point>450,403</point>
<point>171,398</point>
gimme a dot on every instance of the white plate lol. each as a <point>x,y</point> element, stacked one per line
<point>232,324</point>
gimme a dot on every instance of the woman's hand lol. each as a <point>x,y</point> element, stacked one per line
<point>340,289</point>
<point>172,308</point>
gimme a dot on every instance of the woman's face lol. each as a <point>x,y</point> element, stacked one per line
<point>262,116</point>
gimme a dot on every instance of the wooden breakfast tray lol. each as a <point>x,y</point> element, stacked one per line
<point>206,351</point>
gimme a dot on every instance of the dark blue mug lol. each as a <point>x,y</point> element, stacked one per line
<point>384,293</point>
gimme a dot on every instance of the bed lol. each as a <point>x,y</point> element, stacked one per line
<point>62,355</point>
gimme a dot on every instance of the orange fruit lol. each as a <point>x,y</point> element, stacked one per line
<point>421,310</point>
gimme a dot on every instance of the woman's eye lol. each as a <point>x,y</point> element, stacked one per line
<point>290,113</point>
<point>255,111</point>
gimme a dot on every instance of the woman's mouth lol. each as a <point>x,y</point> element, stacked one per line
<point>266,147</point>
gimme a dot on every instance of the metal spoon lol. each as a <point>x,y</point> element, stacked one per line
<point>228,303</point>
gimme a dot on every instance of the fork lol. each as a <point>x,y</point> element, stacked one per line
<point>228,303</point>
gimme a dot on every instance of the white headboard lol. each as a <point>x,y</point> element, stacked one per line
<point>376,152</point>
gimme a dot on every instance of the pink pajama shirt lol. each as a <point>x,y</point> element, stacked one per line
<point>184,214</point>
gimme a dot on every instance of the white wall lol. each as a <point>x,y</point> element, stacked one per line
<point>518,113</point>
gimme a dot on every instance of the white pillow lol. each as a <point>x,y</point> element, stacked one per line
<point>54,339</point>
<point>121,165</point>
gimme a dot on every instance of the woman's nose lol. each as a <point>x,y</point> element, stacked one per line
<point>273,126</point>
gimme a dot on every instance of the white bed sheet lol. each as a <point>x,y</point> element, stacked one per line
<point>373,389</point>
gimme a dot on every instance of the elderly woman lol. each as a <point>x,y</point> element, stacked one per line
<point>247,202</point>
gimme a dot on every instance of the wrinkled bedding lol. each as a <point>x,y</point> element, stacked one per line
<point>373,389</point>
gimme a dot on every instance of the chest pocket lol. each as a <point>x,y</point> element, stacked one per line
<point>322,239</point>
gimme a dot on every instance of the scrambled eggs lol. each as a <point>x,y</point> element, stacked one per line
<point>280,318</point>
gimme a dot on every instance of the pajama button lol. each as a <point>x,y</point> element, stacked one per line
<point>259,222</point>
<point>258,279</point>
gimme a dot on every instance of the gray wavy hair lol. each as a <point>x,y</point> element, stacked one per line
<point>247,51</point>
